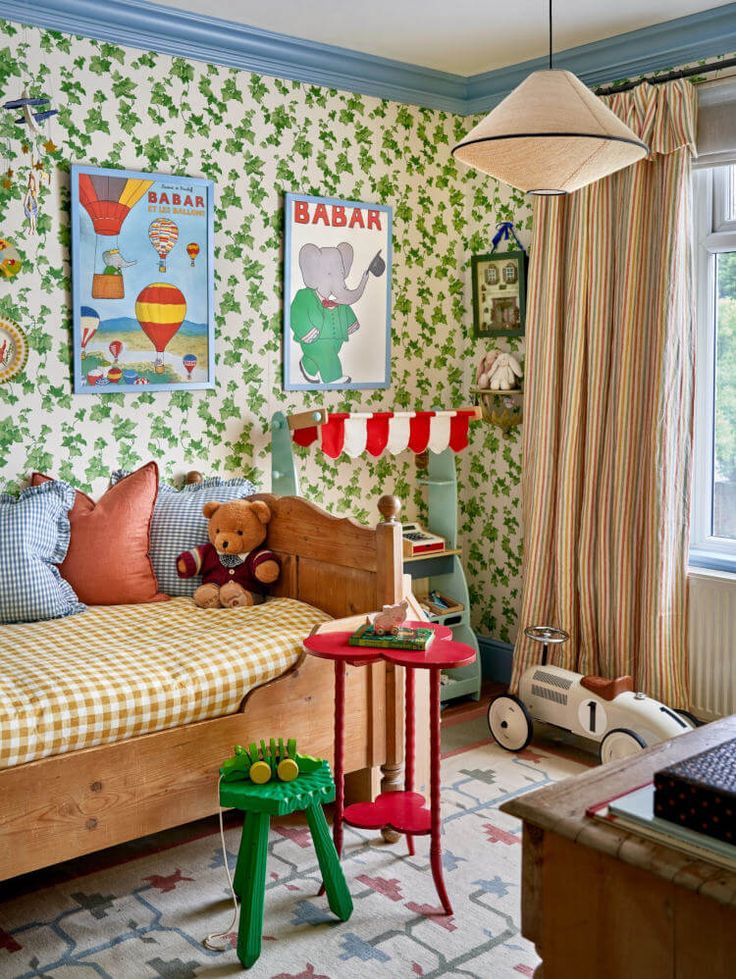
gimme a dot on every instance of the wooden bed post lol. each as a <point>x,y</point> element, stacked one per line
<point>389,585</point>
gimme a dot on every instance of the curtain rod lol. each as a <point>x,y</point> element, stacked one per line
<point>668,76</point>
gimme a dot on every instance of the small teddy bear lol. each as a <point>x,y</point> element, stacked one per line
<point>235,568</point>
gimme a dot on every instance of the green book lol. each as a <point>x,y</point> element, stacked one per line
<point>417,639</point>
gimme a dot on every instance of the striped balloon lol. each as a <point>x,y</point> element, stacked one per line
<point>89,320</point>
<point>163,235</point>
<point>160,309</point>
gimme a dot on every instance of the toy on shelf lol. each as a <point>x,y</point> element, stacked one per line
<point>498,380</point>
<point>436,604</point>
<point>417,540</point>
<point>498,371</point>
<point>272,760</point>
<point>607,711</point>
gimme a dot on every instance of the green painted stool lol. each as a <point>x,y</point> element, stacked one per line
<point>259,802</point>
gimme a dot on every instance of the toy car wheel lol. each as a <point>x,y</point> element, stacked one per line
<point>509,722</point>
<point>620,743</point>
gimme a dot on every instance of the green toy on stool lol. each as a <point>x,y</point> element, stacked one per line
<point>303,784</point>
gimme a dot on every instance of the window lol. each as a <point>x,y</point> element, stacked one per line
<point>713,537</point>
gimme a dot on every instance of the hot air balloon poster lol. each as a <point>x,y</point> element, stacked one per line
<point>143,284</point>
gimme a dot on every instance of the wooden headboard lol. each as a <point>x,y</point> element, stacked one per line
<point>331,562</point>
<point>334,563</point>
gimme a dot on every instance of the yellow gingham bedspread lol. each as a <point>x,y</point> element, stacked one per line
<point>117,671</point>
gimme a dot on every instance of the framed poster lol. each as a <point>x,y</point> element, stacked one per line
<point>337,294</point>
<point>142,281</point>
<point>499,294</point>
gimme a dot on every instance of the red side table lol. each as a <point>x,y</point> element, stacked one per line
<point>405,812</point>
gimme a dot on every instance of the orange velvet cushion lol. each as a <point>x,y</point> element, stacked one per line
<point>107,562</point>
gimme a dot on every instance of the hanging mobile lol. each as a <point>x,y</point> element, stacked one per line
<point>30,202</point>
<point>31,111</point>
<point>7,181</point>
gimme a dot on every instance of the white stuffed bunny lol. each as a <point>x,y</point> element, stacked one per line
<point>504,373</point>
<point>485,367</point>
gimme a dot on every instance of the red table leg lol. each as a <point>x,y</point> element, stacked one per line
<point>409,760</point>
<point>435,850</point>
<point>339,753</point>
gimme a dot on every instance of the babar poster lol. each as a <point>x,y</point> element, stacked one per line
<point>142,263</point>
<point>337,294</point>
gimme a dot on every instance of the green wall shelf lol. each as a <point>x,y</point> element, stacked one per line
<point>444,572</point>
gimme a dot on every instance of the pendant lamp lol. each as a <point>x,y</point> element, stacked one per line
<point>551,135</point>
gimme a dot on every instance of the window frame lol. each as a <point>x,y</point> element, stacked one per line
<point>723,199</point>
<point>712,233</point>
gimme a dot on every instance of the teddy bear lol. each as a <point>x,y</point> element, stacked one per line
<point>235,569</point>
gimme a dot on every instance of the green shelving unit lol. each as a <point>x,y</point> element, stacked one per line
<point>444,571</point>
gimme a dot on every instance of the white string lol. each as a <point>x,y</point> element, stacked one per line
<point>211,940</point>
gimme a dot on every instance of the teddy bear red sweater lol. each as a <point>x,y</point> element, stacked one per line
<point>204,560</point>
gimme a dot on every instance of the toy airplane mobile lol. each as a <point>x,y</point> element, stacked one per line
<point>28,116</point>
<point>607,711</point>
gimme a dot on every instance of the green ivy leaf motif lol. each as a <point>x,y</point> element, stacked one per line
<point>258,137</point>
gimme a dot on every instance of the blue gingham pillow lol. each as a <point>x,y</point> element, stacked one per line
<point>34,537</point>
<point>178,524</point>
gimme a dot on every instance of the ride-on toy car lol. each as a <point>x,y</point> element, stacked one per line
<point>607,711</point>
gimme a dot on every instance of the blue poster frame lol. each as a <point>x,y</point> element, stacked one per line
<point>207,251</point>
<point>294,384</point>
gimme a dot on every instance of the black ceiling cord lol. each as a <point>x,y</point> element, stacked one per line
<point>550,35</point>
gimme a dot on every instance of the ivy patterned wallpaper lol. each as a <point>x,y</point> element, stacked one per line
<point>256,137</point>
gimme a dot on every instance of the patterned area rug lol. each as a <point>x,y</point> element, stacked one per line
<point>147,917</point>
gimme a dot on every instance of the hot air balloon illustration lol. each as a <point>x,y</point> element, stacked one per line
<point>190,362</point>
<point>160,309</point>
<point>89,320</point>
<point>163,235</point>
<point>192,251</point>
<point>116,348</point>
<point>108,201</point>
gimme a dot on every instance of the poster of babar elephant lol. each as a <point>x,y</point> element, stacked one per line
<point>337,294</point>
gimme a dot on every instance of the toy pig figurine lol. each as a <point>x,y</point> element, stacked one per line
<point>390,619</point>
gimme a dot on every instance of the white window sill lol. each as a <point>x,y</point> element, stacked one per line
<point>716,574</point>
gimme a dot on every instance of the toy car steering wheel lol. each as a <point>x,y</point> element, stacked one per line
<point>546,634</point>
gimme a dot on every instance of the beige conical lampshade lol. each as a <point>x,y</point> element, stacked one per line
<point>551,135</point>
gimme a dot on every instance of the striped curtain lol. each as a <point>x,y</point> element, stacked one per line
<point>608,410</point>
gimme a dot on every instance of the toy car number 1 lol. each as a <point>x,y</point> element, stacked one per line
<point>592,717</point>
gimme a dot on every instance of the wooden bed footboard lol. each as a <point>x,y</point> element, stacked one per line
<point>68,805</point>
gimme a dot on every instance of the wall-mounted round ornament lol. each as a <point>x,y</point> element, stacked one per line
<point>10,260</point>
<point>13,350</point>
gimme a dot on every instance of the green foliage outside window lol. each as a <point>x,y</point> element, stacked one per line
<point>725,441</point>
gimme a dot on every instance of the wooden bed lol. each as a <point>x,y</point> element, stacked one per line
<point>67,805</point>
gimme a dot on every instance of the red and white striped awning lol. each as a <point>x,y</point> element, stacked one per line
<point>364,431</point>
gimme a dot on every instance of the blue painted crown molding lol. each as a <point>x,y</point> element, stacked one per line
<point>150,26</point>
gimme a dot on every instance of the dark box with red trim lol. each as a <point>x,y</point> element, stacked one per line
<point>700,793</point>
